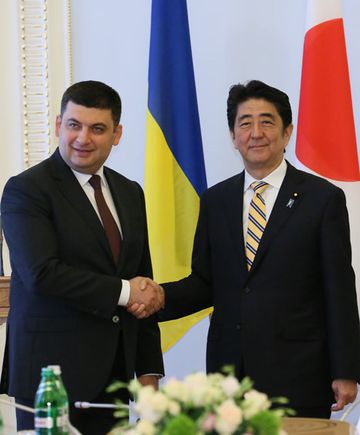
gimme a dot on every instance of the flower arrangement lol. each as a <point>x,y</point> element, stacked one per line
<point>201,404</point>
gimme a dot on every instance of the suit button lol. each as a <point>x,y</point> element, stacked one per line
<point>115,319</point>
<point>238,326</point>
<point>246,290</point>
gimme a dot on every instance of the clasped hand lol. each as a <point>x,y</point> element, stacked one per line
<point>146,297</point>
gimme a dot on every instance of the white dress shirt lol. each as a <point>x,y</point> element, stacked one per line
<point>83,180</point>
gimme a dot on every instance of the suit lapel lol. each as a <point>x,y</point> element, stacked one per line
<point>233,202</point>
<point>73,192</point>
<point>285,205</point>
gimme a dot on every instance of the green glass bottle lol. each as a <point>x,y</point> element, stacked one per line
<point>64,400</point>
<point>1,425</point>
<point>49,409</point>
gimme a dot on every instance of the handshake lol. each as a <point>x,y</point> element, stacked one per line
<point>146,297</point>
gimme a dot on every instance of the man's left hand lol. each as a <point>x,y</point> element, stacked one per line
<point>146,380</point>
<point>345,392</point>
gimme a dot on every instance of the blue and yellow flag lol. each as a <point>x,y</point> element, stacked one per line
<point>174,165</point>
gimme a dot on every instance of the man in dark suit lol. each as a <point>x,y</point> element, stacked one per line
<point>70,281</point>
<point>285,314</point>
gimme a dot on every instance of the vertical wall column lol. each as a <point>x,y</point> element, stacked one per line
<point>35,80</point>
<point>45,71</point>
<point>35,69</point>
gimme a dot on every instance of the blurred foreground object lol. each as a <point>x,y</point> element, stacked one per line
<point>200,404</point>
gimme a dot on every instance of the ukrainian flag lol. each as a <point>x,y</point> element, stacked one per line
<point>174,165</point>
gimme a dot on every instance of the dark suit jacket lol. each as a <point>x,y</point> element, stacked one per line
<point>65,286</point>
<point>291,323</point>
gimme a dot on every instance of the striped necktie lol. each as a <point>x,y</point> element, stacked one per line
<point>256,221</point>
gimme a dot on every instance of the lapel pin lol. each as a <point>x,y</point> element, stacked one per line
<point>292,200</point>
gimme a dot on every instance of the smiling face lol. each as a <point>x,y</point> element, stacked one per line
<point>259,136</point>
<point>86,136</point>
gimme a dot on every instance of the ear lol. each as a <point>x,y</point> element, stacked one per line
<point>117,134</point>
<point>57,125</point>
<point>232,137</point>
<point>287,132</point>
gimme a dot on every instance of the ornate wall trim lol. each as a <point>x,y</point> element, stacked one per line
<point>34,75</point>
<point>46,70</point>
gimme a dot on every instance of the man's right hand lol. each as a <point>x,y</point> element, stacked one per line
<point>146,297</point>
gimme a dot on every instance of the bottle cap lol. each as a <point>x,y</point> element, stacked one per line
<point>46,372</point>
<point>55,368</point>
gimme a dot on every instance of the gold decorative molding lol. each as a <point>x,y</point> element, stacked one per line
<point>35,80</point>
<point>46,70</point>
<point>69,42</point>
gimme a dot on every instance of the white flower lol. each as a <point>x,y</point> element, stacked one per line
<point>213,403</point>
<point>177,390</point>
<point>230,386</point>
<point>199,387</point>
<point>145,427</point>
<point>214,395</point>
<point>151,405</point>
<point>255,402</point>
<point>173,407</point>
<point>229,416</point>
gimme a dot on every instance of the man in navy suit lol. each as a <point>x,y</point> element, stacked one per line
<point>288,317</point>
<point>68,291</point>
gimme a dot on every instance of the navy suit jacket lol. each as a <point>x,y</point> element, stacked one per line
<point>291,323</point>
<point>65,286</point>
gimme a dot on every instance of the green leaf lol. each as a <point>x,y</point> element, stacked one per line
<point>121,413</point>
<point>228,370</point>
<point>281,400</point>
<point>245,385</point>
<point>117,385</point>
<point>265,423</point>
<point>180,425</point>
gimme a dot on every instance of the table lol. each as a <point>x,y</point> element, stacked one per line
<point>4,298</point>
<point>316,426</point>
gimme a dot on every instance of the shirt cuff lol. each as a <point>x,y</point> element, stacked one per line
<point>125,293</point>
<point>157,375</point>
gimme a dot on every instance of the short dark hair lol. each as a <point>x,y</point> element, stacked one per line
<point>95,94</point>
<point>256,89</point>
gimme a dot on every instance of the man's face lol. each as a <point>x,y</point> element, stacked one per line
<point>259,135</point>
<point>86,136</point>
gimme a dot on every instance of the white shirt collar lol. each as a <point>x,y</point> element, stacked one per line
<point>84,178</point>
<point>275,178</point>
